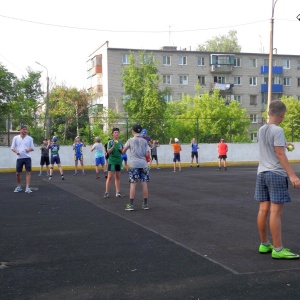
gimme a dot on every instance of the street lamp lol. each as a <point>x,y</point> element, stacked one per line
<point>271,58</point>
<point>47,119</point>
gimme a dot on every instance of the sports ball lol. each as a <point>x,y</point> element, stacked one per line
<point>290,147</point>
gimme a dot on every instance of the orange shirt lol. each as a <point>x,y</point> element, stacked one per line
<point>222,148</point>
<point>176,147</point>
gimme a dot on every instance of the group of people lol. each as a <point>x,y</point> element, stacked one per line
<point>273,172</point>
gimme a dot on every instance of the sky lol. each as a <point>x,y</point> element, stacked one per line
<point>61,34</point>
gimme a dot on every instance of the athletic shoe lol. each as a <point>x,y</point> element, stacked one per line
<point>62,178</point>
<point>75,174</point>
<point>265,249</point>
<point>47,174</point>
<point>83,174</point>
<point>145,206</point>
<point>50,178</point>
<point>17,189</point>
<point>180,170</point>
<point>158,168</point>
<point>129,207</point>
<point>219,169</point>
<point>40,174</point>
<point>119,195</point>
<point>106,195</point>
<point>174,171</point>
<point>198,166</point>
<point>225,169</point>
<point>284,254</point>
<point>191,166</point>
<point>97,176</point>
<point>28,190</point>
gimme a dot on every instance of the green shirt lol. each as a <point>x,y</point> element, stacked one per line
<point>115,157</point>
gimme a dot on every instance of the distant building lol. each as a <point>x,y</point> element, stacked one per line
<point>239,76</point>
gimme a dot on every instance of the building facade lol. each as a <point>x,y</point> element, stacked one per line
<point>239,76</point>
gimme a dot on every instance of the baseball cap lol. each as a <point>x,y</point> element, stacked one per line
<point>23,126</point>
<point>137,128</point>
<point>54,139</point>
<point>176,140</point>
<point>144,131</point>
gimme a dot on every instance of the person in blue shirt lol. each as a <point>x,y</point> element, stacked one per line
<point>194,154</point>
<point>77,147</point>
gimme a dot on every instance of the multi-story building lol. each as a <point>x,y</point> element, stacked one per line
<point>239,76</point>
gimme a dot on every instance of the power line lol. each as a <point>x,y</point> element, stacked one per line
<point>130,31</point>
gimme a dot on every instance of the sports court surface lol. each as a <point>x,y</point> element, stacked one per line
<point>199,239</point>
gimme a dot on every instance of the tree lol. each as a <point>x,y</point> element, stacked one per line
<point>222,43</point>
<point>68,111</point>
<point>144,100</point>
<point>206,117</point>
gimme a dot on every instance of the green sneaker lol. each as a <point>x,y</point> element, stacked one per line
<point>284,254</point>
<point>129,207</point>
<point>265,249</point>
<point>145,206</point>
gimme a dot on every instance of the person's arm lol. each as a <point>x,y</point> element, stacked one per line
<point>287,167</point>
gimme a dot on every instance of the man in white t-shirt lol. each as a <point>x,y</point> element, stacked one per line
<point>22,145</point>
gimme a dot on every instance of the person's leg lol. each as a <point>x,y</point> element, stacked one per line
<point>51,170</point>
<point>41,169</point>
<point>82,166</point>
<point>145,190</point>
<point>18,176</point>
<point>108,181</point>
<point>117,181</point>
<point>219,163</point>
<point>179,165</point>
<point>174,165</point>
<point>28,177</point>
<point>275,224</point>
<point>76,166</point>
<point>262,216</point>
<point>132,191</point>
<point>224,162</point>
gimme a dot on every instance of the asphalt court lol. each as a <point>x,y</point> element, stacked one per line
<point>200,229</point>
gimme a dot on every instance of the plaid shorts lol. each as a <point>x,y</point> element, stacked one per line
<point>138,175</point>
<point>272,187</point>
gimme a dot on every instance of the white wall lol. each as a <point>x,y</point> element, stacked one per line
<point>207,154</point>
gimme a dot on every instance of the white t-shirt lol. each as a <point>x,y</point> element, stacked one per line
<point>21,144</point>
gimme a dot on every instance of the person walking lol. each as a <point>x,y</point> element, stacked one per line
<point>176,149</point>
<point>55,159</point>
<point>272,182</point>
<point>44,157</point>
<point>99,150</point>
<point>22,145</point>
<point>194,154</point>
<point>114,151</point>
<point>138,171</point>
<point>222,151</point>
<point>78,156</point>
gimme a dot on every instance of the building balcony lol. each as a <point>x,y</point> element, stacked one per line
<point>276,88</point>
<point>275,70</point>
<point>221,69</point>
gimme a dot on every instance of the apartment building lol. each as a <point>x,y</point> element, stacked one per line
<point>239,76</point>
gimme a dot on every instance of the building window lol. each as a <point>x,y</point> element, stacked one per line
<point>167,60</point>
<point>167,79</point>
<point>286,81</point>
<point>220,79</point>
<point>252,62</point>
<point>237,62</point>
<point>125,59</point>
<point>148,58</point>
<point>298,64</point>
<point>298,82</point>
<point>201,80</point>
<point>237,98</point>
<point>286,64</point>
<point>266,62</point>
<point>254,136</point>
<point>201,61</point>
<point>183,79</point>
<point>264,80</point>
<point>237,80</point>
<point>253,80</point>
<point>253,118</point>
<point>298,97</point>
<point>182,60</point>
<point>253,100</point>
<point>168,98</point>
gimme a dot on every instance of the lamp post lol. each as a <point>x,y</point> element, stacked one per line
<point>47,119</point>
<point>271,58</point>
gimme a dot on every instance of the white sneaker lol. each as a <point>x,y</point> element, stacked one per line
<point>17,189</point>
<point>28,190</point>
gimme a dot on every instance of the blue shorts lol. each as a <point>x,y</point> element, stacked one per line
<point>78,157</point>
<point>176,157</point>
<point>23,162</point>
<point>139,175</point>
<point>99,161</point>
<point>272,187</point>
<point>55,159</point>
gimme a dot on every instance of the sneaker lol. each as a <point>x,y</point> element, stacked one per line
<point>158,168</point>
<point>284,254</point>
<point>180,170</point>
<point>129,207</point>
<point>198,166</point>
<point>50,178</point>
<point>75,174</point>
<point>106,195</point>
<point>119,195</point>
<point>145,206</point>
<point>62,178</point>
<point>219,169</point>
<point>47,174</point>
<point>225,169</point>
<point>17,189</point>
<point>40,174</point>
<point>265,249</point>
<point>191,166</point>
<point>28,190</point>
<point>174,171</point>
<point>83,174</point>
<point>97,176</point>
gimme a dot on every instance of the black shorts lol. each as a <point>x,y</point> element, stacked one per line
<point>154,156</point>
<point>114,168</point>
<point>45,160</point>
<point>176,157</point>
<point>21,162</point>
<point>223,156</point>
<point>194,154</point>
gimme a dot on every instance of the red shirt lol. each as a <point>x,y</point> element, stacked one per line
<point>222,148</point>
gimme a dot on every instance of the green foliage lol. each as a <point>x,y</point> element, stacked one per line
<point>145,102</point>
<point>222,43</point>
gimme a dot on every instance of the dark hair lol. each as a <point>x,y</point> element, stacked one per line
<point>276,107</point>
<point>137,128</point>
<point>115,129</point>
